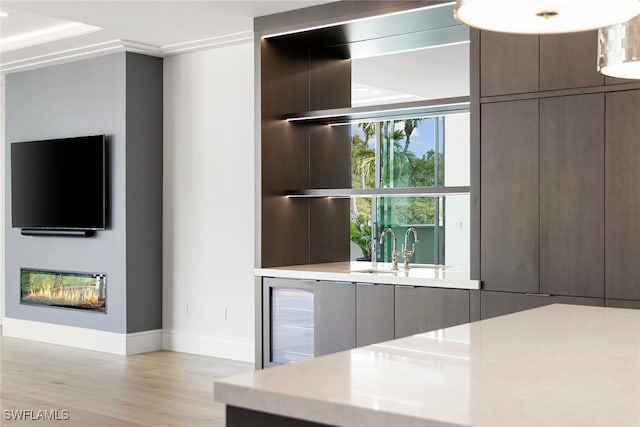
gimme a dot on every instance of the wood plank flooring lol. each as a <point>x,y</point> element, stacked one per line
<point>98,389</point>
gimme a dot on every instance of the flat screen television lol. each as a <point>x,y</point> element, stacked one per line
<point>59,184</point>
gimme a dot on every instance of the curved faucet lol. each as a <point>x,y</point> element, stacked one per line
<point>394,253</point>
<point>406,253</point>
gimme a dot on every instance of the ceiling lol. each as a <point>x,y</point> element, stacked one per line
<point>39,32</point>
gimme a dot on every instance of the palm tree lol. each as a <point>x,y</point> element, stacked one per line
<point>409,126</point>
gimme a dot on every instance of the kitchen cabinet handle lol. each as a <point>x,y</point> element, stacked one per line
<point>537,295</point>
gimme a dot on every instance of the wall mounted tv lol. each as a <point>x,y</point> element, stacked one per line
<point>58,186</point>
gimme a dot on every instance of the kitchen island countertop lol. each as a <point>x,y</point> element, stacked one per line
<point>559,365</point>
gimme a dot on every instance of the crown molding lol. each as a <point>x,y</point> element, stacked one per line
<point>51,34</point>
<point>64,54</point>
<point>208,43</point>
<point>74,54</point>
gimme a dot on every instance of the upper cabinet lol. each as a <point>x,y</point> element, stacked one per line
<point>569,61</point>
<point>517,64</point>
<point>508,63</point>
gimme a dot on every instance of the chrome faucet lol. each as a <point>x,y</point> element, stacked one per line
<point>394,253</point>
<point>406,253</point>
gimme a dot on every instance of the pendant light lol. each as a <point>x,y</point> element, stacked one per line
<point>619,50</point>
<point>544,16</point>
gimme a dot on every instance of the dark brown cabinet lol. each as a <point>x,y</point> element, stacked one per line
<point>621,303</point>
<point>335,317</point>
<point>498,303</point>
<point>622,247</point>
<point>572,195</point>
<point>569,61</point>
<point>514,64</point>
<point>419,309</point>
<point>508,63</point>
<point>306,318</point>
<point>374,313</point>
<point>559,177</point>
<point>509,202</point>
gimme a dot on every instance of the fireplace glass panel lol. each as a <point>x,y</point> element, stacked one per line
<point>83,291</point>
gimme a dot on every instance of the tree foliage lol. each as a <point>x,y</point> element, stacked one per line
<point>400,167</point>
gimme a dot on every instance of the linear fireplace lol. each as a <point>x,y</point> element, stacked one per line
<point>83,291</point>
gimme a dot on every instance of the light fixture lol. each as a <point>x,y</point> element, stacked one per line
<point>619,50</point>
<point>3,14</point>
<point>544,16</point>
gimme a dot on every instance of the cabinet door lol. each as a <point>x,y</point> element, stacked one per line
<point>572,196</point>
<point>622,303</point>
<point>509,196</point>
<point>622,247</point>
<point>374,313</point>
<point>568,60</point>
<point>508,63</point>
<point>498,303</point>
<point>420,309</point>
<point>335,317</point>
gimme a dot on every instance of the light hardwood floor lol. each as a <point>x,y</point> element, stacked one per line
<point>97,389</point>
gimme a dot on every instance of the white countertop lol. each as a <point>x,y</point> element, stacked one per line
<point>358,271</point>
<point>558,365</point>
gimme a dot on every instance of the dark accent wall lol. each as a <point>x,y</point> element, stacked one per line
<point>119,95</point>
<point>144,192</point>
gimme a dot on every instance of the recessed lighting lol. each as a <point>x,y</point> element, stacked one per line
<point>3,14</point>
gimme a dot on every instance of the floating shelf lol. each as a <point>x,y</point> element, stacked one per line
<point>338,116</point>
<point>380,192</point>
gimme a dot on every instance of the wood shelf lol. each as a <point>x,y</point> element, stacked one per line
<point>380,192</point>
<point>339,116</point>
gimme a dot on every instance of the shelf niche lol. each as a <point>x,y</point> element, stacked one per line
<point>305,77</point>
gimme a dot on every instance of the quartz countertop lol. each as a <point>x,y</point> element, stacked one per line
<point>559,365</point>
<point>360,271</point>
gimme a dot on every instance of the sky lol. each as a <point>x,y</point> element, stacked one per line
<point>422,138</point>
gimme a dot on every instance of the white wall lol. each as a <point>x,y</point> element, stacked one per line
<point>457,209</point>
<point>2,171</point>
<point>209,202</point>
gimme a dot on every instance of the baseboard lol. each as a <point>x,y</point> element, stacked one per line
<point>144,342</point>
<point>126,344</point>
<point>208,346</point>
<point>88,339</point>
